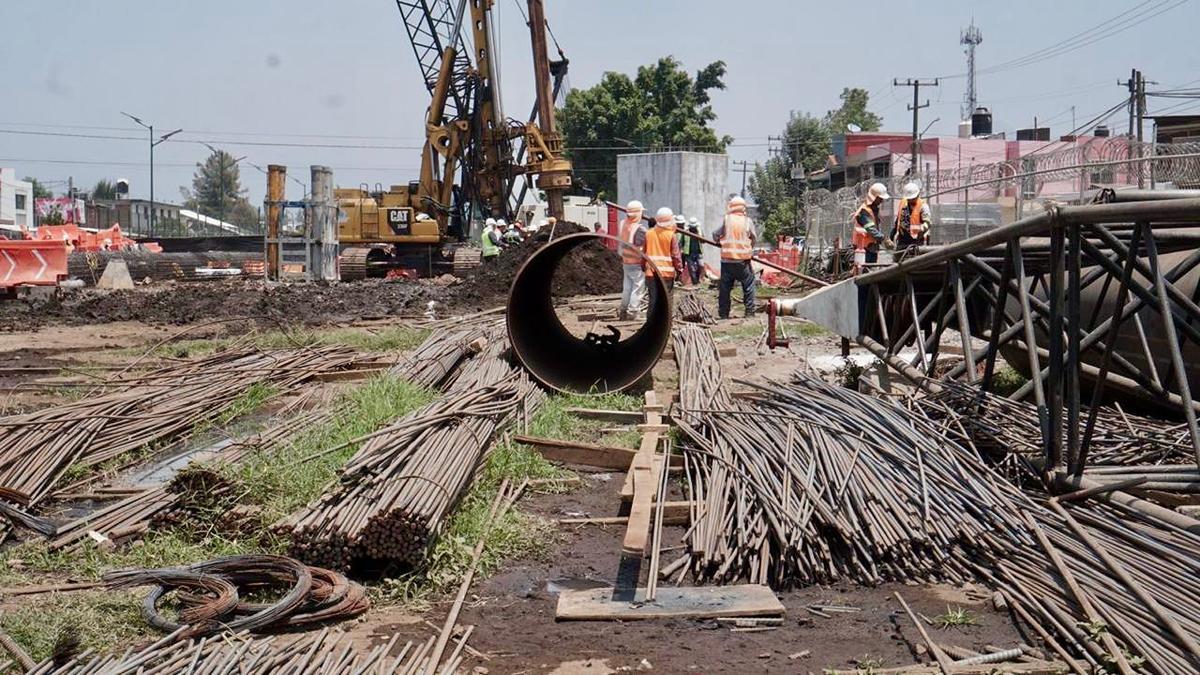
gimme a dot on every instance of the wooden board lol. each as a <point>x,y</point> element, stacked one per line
<point>615,416</point>
<point>588,454</point>
<point>645,480</point>
<point>597,604</point>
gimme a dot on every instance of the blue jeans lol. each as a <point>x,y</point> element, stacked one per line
<point>735,272</point>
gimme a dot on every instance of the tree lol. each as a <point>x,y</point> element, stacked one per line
<point>104,189</point>
<point>39,191</point>
<point>662,107</point>
<point>853,111</point>
<point>217,191</point>
<point>807,144</point>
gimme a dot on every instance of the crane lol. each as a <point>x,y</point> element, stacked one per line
<point>468,164</point>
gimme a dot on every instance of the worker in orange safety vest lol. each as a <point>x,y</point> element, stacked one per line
<point>912,219</point>
<point>633,241</point>
<point>662,248</point>
<point>865,221</point>
<point>736,237</point>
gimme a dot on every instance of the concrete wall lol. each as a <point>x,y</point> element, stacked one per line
<point>695,184</point>
<point>13,191</point>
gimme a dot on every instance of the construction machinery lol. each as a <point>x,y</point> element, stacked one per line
<point>421,227</point>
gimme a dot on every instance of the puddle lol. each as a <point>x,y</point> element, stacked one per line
<point>556,586</point>
<point>162,470</point>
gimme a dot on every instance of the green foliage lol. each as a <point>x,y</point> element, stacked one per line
<point>852,111</point>
<point>295,473</point>
<point>217,191</point>
<point>98,620</point>
<point>553,421</point>
<point>955,618</point>
<point>104,189</point>
<point>807,144</point>
<point>40,191</point>
<point>662,107</point>
<point>1007,380</point>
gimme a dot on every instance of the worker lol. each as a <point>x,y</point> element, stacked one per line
<point>736,237</point>
<point>489,241</point>
<point>912,219</point>
<point>511,237</point>
<point>662,248</point>
<point>865,220</point>
<point>633,239</point>
<point>691,250</point>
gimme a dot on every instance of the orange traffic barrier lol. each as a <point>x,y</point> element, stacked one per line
<point>32,262</point>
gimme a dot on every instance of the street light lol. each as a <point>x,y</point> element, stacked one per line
<point>220,155</point>
<point>164,137</point>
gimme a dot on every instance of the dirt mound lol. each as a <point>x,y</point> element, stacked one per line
<point>590,269</point>
<point>188,302</point>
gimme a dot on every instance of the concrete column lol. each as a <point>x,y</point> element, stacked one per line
<point>324,224</point>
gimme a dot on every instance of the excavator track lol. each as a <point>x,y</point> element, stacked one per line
<point>353,263</point>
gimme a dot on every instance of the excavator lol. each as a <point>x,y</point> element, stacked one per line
<point>423,226</point>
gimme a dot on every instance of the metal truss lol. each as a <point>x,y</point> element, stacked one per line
<point>1090,300</point>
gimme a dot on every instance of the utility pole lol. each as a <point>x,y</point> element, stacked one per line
<point>1136,84</point>
<point>915,107</point>
<point>744,169</point>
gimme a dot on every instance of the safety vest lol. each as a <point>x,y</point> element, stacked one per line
<point>861,238</point>
<point>489,249</point>
<point>915,229</point>
<point>658,250</point>
<point>630,254</point>
<point>735,245</point>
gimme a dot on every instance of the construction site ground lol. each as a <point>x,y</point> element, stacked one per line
<point>513,605</point>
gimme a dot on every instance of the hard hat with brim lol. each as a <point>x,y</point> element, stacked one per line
<point>911,191</point>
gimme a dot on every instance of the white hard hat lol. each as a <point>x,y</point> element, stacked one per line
<point>737,201</point>
<point>879,190</point>
<point>634,205</point>
<point>911,191</point>
<point>664,212</point>
<point>490,222</point>
<point>693,221</point>
<point>501,223</point>
<point>680,220</point>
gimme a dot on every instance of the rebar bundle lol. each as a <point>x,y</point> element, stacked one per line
<point>807,482</point>
<point>690,309</point>
<point>435,362</point>
<point>396,493</point>
<point>133,515</point>
<point>324,653</point>
<point>134,412</point>
<point>1002,425</point>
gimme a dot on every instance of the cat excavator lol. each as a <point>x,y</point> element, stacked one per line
<point>423,226</point>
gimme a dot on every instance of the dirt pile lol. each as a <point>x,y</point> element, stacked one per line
<point>590,269</point>
<point>188,302</point>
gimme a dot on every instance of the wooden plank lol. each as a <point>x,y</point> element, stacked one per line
<point>638,531</point>
<point>648,446</point>
<point>688,602</point>
<point>588,454</point>
<point>349,375</point>
<point>723,351</point>
<point>674,513</point>
<point>655,428</point>
<point>615,416</point>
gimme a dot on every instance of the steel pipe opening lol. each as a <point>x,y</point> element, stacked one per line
<point>563,361</point>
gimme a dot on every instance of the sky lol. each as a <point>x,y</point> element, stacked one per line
<point>269,79</point>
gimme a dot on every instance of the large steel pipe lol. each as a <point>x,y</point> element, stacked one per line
<point>563,361</point>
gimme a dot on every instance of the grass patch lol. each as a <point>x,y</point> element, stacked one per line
<point>747,329</point>
<point>387,339</point>
<point>1007,380</point>
<point>955,618</point>
<point>553,421</point>
<point>280,483</point>
<point>100,620</point>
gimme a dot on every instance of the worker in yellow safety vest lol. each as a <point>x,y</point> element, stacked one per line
<point>865,221</point>
<point>736,237</point>
<point>662,249</point>
<point>489,241</point>
<point>912,219</point>
<point>633,239</point>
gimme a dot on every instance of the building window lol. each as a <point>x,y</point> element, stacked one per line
<point>20,199</point>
